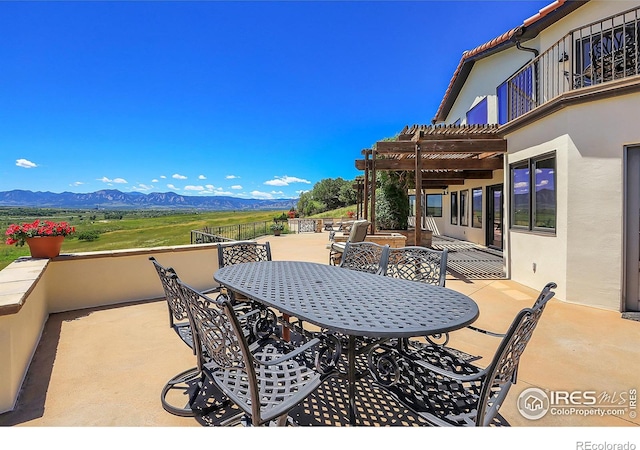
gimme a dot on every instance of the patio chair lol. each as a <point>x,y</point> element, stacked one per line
<point>365,257</point>
<point>265,380</point>
<point>449,391</point>
<point>358,233</point>
<point>418,264</point>
<point>237,252</point>
<point>179,320</point>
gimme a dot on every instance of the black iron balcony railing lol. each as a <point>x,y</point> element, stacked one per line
<point>596,53</point>
<point>239,232</point>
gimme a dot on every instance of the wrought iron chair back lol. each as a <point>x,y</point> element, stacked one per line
<point>418,264</point>
<point>262,380</point>
<point>178,316</point>
<point>503,371</point>
<point>447,390</point>
<point>237,252</point>
<point>365,257</point>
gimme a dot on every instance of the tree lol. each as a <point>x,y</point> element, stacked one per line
<point>327,191</point>
<point>327,194</point>
<point>308,206</point>
<point>392,202</point>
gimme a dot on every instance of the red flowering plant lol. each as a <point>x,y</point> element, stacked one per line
<point>18,234</point>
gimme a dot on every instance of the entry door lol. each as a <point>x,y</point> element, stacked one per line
<point>494,216</point>
<point>632,230</point>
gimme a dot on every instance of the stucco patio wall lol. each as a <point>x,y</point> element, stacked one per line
<point>33,289</point>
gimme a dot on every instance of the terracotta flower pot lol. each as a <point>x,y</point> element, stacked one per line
<point>45,246</point>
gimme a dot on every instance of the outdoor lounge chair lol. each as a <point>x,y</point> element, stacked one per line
<point>358,233</point>
<point>449,391</point>
<point>365,257</point>
<point>265,380</point>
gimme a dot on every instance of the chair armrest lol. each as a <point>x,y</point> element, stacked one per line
<point>292,354</point>
<point>454,376</point>
<point>489,333</point>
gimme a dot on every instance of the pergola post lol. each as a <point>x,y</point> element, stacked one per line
<point>373,191</point>
<point>366,184</point>
<point>418,228</point>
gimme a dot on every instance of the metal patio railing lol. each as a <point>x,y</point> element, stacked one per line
<point>224,233</point>
<point>596,53</point>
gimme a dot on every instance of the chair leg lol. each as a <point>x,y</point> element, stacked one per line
<point>186,383</point>
<point>282,420</point>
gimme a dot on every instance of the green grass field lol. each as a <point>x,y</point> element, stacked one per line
<point>136,229</point>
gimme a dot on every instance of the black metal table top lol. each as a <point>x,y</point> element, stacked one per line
<point>351,302</point>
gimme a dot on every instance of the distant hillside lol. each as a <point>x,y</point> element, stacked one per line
<point>114,199</point>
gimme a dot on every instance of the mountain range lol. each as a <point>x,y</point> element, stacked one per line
<point>114,199</point>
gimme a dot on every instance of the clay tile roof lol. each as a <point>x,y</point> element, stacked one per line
<point>504,40</point>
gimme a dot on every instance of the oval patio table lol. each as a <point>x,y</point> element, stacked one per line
<point>351,302</point>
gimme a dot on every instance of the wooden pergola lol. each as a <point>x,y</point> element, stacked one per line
<point>440,156</point>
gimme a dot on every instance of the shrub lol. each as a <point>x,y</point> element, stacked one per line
<point>88,235</point>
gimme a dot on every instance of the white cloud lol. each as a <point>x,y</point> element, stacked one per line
<point>542,183</point>
<point>25,163</point>
<point>76,183</point>
<point>277,192</point>
<point>285,181</point>
<point>142,187</point>
<point>194,188</point>
<point>210,187</point>
<point>521,184</point>
<point>177,176</point>
<point>115,180</point>
<point>172,187</point>
<point>163,176</point>
<point>261,195</point>
<point>201,177</point>
<point>236,186</point>
<point>154,180</point>
<point>302,191</point>
<point>231,177</point>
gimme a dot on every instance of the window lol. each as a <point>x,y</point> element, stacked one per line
<point>412,205</point>
<point>464,217</point>
<point>454,208</point>
<point>478,115</point>
<point>533,194</point>
<point>434,205</point>
<point>476,207</point>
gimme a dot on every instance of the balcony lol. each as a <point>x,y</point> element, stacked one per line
<point>97,326</point>
<point>596,54</point>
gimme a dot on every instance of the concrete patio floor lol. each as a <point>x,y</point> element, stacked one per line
<point>106,366</point>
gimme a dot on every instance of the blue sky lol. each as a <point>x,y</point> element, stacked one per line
<point>249,99</point>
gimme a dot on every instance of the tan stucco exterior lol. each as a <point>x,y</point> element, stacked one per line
<point>585,255</point>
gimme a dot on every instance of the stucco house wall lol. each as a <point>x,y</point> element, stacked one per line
<point>585,255</point>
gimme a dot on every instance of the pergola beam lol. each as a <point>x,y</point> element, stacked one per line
<point>433,164</point>
<point>444,146</point>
